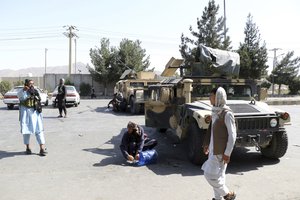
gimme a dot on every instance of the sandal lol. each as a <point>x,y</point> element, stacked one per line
<point>230,196</point>
<point>28,151</point>
<point>43,152</point>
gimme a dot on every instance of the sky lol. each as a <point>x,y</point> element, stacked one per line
<point>28,28</point>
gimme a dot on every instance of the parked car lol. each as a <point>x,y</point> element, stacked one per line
<point>73,97</point>
<point>11,99</point>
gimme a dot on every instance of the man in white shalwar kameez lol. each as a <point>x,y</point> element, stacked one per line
<point>31,120</point>
<point>219,144</point>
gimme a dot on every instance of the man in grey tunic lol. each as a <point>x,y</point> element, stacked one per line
<point>219,142</point>
<point>31,119</point>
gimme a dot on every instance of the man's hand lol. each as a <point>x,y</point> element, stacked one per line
<point>205,150</point>
<point>137,156</point>
<point>226,159</point>
<point>130,158</point>
<point>26,88</point>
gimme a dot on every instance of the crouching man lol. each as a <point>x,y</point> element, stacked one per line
<point>134,141</point>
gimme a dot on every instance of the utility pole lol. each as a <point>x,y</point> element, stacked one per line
<point>274,65</point>
<point>224,21</point>
<point>45,67</point>
<point>70,34</point>
<point>75,67</point>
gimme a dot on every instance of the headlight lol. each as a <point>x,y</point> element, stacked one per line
<point>273,122</point>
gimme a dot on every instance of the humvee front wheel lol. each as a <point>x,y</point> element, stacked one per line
<point>134,107</point>
<point>277,147</point>
<point>195,141</point>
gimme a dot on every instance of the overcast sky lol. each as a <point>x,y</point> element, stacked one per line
<point>27,27</point>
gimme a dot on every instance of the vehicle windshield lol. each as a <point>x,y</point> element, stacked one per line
<point>69,89</point>
<point>16,89</point>
<point>233,91</point>
<point>137,84</point>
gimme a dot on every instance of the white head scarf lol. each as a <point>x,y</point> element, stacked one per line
<point>220,102</point>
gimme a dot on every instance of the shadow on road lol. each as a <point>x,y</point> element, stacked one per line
<point>106,110</point>
<point>172,157</point>
<point>7,154</point>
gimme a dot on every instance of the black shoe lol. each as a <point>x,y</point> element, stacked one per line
<point>230,196</point>
<point>59,116</point>
<point>28,151</point>
<point>43,152</point>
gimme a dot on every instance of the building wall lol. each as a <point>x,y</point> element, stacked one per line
<point>51,81</point>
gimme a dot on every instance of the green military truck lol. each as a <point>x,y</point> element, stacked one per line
<point>182,106</point>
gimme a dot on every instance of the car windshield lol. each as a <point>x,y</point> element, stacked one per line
<point>16,89</point>
<point>69,89</point>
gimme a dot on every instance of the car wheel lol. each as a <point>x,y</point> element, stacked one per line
<point>277,147</point>
<point>195,142</point>
<point>47,102</point>
<point>10,106</point>
<point>75,104</point>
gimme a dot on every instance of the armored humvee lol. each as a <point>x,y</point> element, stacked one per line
<point>130,88</point>
<point>182,106</point>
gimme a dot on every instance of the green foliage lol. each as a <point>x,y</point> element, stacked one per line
<point>253,55</point>
<point>68,82</point>
<point>4,87</point>
<point>286,70</point>
<point>294,86</point>
<point>85,89</point>
<point>210,33</point>
<point>266,84</point>
<point>18,83</point>
<point>111,62</point>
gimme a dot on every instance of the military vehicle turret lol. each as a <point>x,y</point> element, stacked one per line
<point>182,106</point>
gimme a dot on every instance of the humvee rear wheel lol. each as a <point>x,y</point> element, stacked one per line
<point>278,146</point>
<point>195,141</point>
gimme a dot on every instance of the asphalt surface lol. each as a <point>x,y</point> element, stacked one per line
<point>84,162</point>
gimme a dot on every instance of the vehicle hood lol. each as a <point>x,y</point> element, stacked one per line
<point>239,107</point>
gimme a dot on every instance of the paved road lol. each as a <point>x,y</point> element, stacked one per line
<point>84,162</point>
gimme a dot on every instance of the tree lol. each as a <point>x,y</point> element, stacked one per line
<point>253,55</point>
<point>101,59</point>
<point>4,87</point>
<point>286,70</point>
<point>210,33</point>
<point>132,55</point>
<point>294,86</point>
<point>111,62</point>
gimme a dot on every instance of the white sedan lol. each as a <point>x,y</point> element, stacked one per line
<point>73,97</point>
<point>11,99</point>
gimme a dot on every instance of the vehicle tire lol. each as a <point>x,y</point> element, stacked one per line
<point>123,106</point>
<point>10,106</point>
<point>194,144</point>
<point>76,104</point>
<point>162,130</point>
<point>47,102</point>
<point>277,147</point>
<point>134,107</point>
<point>54,105</point>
